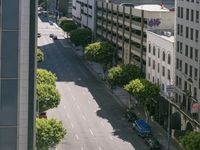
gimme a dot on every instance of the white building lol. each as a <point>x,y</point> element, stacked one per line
<point>160,58</point>
<point>187,95</point>
<point>83,12</point>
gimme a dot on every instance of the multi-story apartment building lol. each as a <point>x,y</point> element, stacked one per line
<point>65,7</point>
<point>125,27</point>
<point>187,94</point>
<point>83,13</point>
<point>17,67</point>
<point>160,57</point>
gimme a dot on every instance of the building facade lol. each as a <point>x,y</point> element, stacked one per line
<point>83,13</point>
<point>65,7</point>
<point>17,67</point>
<point>125,27</point>
<point>160,56</point>
<point>187,94</point>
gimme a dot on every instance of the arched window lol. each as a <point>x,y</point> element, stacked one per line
<point>154,50</point>
<point>163,56</point>
<point>149,47</point>
<point>169,59</point>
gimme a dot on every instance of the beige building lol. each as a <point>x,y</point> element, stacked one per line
<point>125,27</point>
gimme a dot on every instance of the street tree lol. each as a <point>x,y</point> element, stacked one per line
<point>49,133</point>
<point>100,52</point>
<point>122,74</point>
<point>40,55</point>
<point>45,77</point>
<point>62,22</point>
<point>47,97</point>
<point>191,141</point>
<point>81,36</point>
<point>144,90</point>
<point>69,26</point>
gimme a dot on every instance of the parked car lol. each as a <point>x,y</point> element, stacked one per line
<point>43,115</point>
<point>38,35</point>
<point>54,37</point>
<point>152,143</point>
<point>130,115</point>
<point>51,35</point>
<point>143,129</point>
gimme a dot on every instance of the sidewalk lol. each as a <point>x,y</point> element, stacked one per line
<point>122,98</point>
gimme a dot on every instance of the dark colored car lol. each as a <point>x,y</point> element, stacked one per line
<point>153,143</point>
<point>130,115</point>
<point>54,37</point>
<point>38,34</point>
<point>51,35</point>
<point>143,129</point>
<point>43,115</point>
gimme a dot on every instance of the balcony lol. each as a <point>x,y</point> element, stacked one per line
<point>120,31</point>
<point>99,13</point>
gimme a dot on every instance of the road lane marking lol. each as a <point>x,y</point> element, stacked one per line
<point>83,117</point>
<point>100,148</point>
<point>72,125</point>
<point>91,132</point>
<point>81,148</point>
<point>76,136</point>
<point>68,116</point>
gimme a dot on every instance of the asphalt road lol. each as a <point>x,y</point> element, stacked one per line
<point>93,119</point>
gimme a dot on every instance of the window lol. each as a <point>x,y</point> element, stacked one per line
<point>197,16</point>
<point>177,46</point>
<point>178,13</point>
<point>153,79</point>
<point>181,47</point>
<point>186,50</point>
<point>158,52</point>
<point>149,48</point>
<point>163,56</point>
<point>181,12</point>
<point>168,74</point>
<point>192,15</point>
<point>190,71</point>
<point>185,86</point>
<point>163,70</point>
<point>191,34</point>
<point>186,32</point>
<point>149,62</point>
<point>181,30</point>
<point>196,55</point>
<point>153,64</point>
<point>195,93</point>
<point>163,87</point>
<point>149,76</point>
<point>154,50</point>
<point>197,35</point>
<point>195,73</point>
<point>191,52</point>
<point>179,83</point>
<point>187,14</point>
<point>178,29</point>
<point>169,59</point>
<point>180,65</point>
<point>186,68</point>
<point>158,67</point>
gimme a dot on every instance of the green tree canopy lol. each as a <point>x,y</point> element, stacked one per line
<point>100,52</point>
<point>40,55</point>
<point>143,89</point>
<point>81,36</point>
<point>47,96</point>
<point>123,74</point>
<point>62,22</point>
<point>69,26</point>
<point>49,133</point>
<point>45,77</point>
<point>191,141</point>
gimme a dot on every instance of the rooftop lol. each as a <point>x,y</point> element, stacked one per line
<point>170,4</point>
<point>167,34</point>
<point>152,7</point>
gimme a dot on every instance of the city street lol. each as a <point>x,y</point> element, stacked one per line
<point>92,117</point>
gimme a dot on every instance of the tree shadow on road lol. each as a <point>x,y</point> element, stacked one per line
<point>70,68</point>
